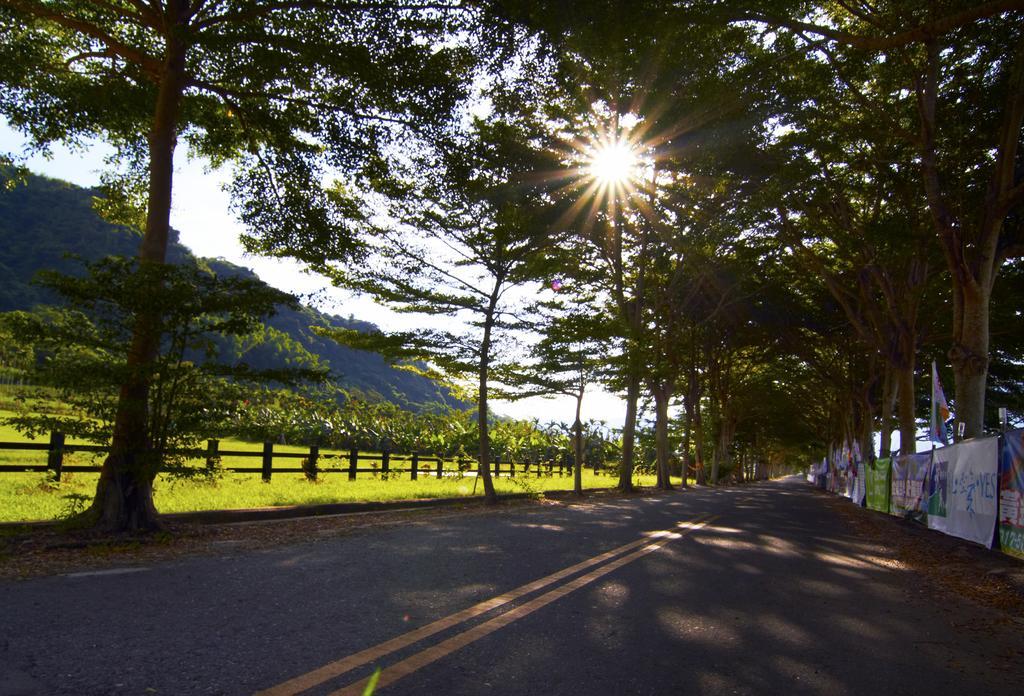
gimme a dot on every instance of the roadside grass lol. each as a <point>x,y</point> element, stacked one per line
<point>34,496</point>
<point>28,497</point>
<point>33,458</point>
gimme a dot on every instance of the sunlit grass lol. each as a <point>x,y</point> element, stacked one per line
<point>32,496</point>
<point>34,458</point>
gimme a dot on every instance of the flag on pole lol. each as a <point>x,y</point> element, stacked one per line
<point>940,410</point>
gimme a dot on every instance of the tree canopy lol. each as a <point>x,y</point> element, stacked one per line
<point>810,200</point>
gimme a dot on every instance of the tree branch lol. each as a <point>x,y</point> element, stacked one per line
<point>1002,192</point>
<point>89,54</point>
<point>148,63</point>
<point>945,222</point>
<point>922,33</point>
<point>136,18</point>
<point>269,8</point>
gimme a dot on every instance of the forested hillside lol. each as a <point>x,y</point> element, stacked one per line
<point>49,224</point>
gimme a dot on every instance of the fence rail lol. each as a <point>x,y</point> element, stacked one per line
<point>415,464</point>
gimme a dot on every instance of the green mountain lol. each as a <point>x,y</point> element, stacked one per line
<point>49,224</point>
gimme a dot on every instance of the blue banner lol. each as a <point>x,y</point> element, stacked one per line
<point>910,484</point>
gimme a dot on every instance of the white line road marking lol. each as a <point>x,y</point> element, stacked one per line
<point>111,571</point>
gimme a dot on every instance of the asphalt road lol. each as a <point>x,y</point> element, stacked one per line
<point>747,590</point>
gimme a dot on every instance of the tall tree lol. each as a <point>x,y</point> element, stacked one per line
<point>285,90</point>
<point>472,228</point>
<point>608,215</point>
<point>948,77</point>
<point>566,361</point>
<point>196,385</point>
<point>848,204</point>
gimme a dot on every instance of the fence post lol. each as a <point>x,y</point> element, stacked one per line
<point>440,467</point>
<point>212,446</point>
<point>268,461</point>
<point>309,464</point>
<point>512,469</point>
<point>385,464</point>
<point>55,456</point>
<point>414,470</point>
<point>497,466</point>
<point>538,467</point>
<point>353,463</point>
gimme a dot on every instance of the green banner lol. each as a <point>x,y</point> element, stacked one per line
<point>878,482</point>
<point>1011,494</point>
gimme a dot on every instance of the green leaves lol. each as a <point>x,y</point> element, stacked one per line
<point>293,93</point>
<point>81,350</point>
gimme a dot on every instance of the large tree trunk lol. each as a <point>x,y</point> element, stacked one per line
<point>908,424</point>
<point>723,451</point>
<point>629,429</point>
<point>124,493</point>
<point>972,243</point>
<point>969,356</point>
<point>577,444</point>
<point>864,423</point>
<point>889,392</point>
<point>482,425</point>
<point>631,312</point>
<point>661,398</point>
<point>720,385</point>
<point>695,427</point>
<point>698,444</point>
<point>716,452</point>
<point>687,463</point>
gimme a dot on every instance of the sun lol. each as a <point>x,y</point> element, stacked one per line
<point>609,169</point>
<point>613,163</point>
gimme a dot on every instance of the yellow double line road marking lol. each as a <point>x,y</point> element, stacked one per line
<point>446,647</point>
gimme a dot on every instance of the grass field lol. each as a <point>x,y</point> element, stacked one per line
<point>9,434</point>
<point>34,496</point>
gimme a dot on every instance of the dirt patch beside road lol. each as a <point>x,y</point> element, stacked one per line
<point>968,570</point>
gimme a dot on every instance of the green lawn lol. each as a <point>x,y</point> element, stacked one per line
<point>9,434</point>
<point>34,496</point>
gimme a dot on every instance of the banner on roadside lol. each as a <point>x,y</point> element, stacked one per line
<point>878,484</point>
<point>938,489</point>
<point>856,475</point>
<point>846,467</point>
<point>1011,494</point>
<point>940,411</point>
<point>859,487</point>
<point>835,481</point>
<point>909,485</point>
<point>972,497</point>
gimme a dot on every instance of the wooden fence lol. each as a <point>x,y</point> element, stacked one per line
<point>311,463</point>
